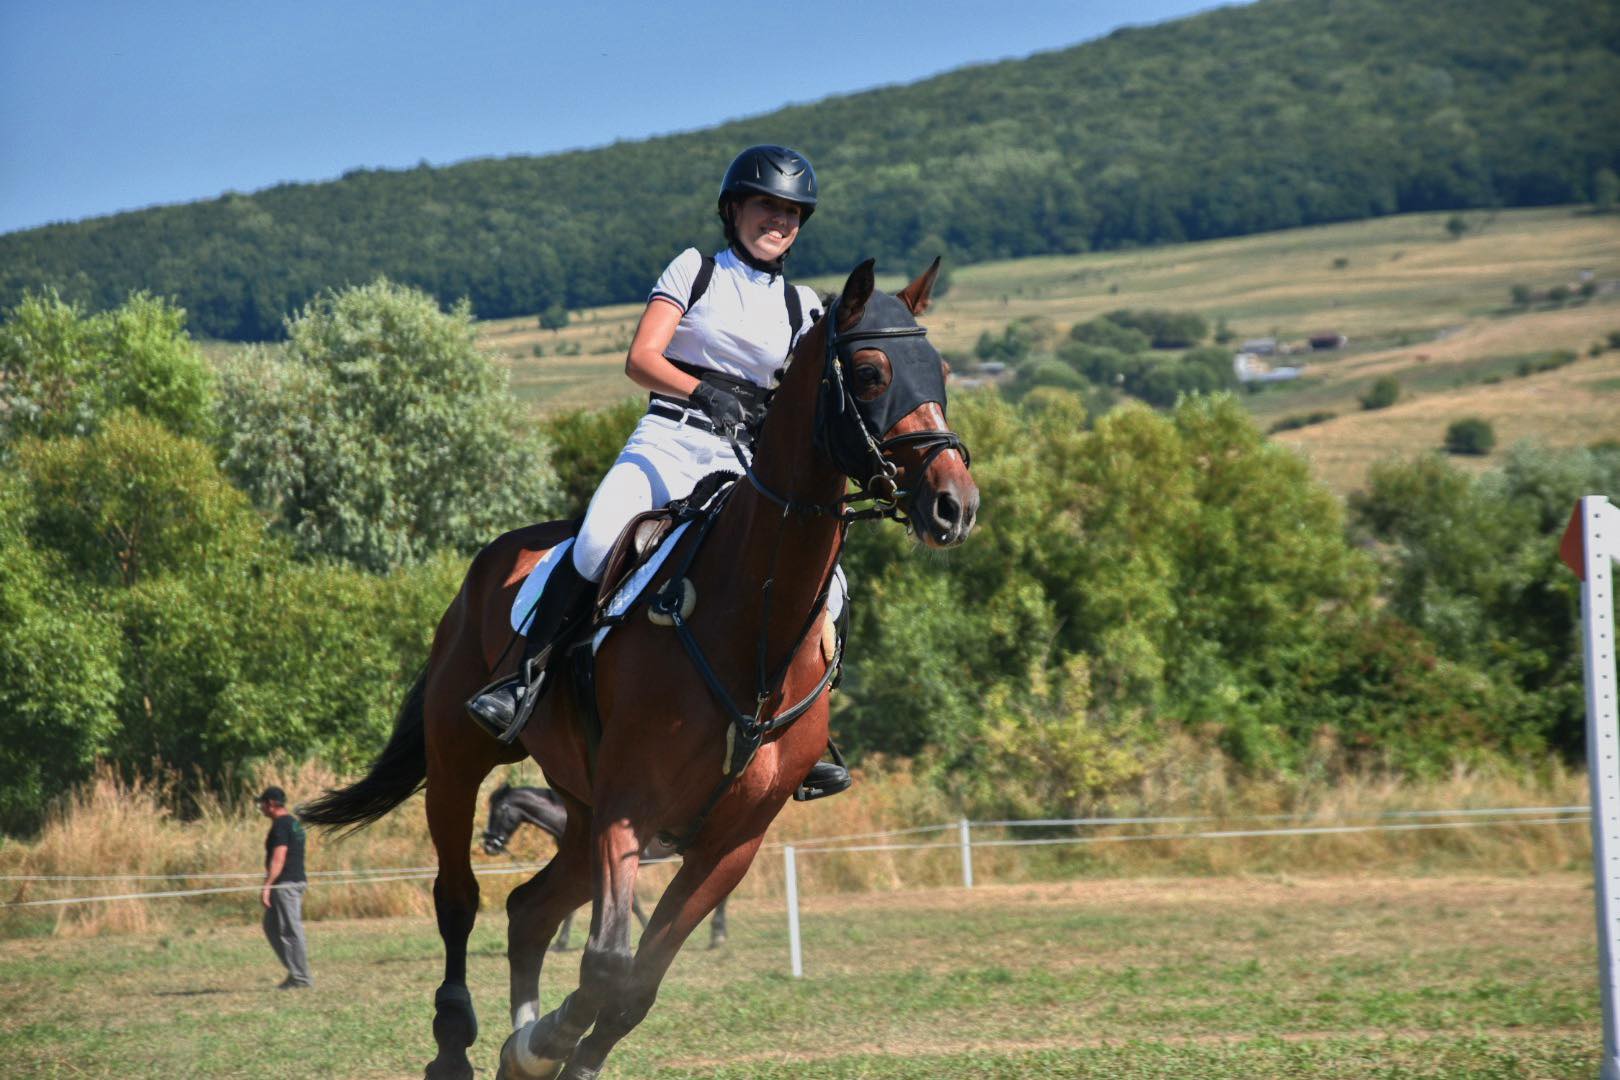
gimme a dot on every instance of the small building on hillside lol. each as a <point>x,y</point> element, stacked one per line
<point>1263,346</point>
<point>1249,368</point>
<point>1330,339</point>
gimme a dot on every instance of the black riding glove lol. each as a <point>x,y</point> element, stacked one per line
<point>723,408</point>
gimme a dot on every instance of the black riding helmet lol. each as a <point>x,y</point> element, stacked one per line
<point>770,170</point>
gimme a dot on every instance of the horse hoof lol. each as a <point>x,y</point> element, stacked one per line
<point>518,1062</point>
<point>441,1068</point>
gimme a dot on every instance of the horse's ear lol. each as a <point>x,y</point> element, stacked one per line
<point>500,793</point>
<point>916,295</point>
<point>857,291</point>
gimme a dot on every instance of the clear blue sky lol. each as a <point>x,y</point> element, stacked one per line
<point>114,105</point>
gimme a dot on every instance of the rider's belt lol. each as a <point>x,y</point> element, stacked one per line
<point>752,396</point>
<point>678,410</point>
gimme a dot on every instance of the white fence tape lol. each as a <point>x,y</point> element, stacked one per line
<point>964,843</point>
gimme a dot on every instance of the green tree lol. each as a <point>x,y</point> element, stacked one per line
<point>554,317</point>
<point>1473,565</point>
<point>1108,334</point>
<point>381,433</point>
<point>1384,392</point>
<point>1164,329</point>
<point>1605,190</point>
<point>1470,435</point>
<point>58,672</point>
<point>62,372</point>
<point>133,500</point>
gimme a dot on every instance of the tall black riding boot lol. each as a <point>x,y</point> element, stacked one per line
<point>502,707</point>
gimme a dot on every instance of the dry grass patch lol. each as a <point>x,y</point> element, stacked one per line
<point>1572,406</point>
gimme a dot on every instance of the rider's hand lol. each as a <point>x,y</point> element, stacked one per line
<point>723,408</point>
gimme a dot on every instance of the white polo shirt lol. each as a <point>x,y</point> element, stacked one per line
<point>739,326</point>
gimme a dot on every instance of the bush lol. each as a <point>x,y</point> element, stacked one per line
<point>1470,436</point>
<point>1165,329</point>
<point>1522,296</point>
<point>381,433</point>
<point>63,372</point>
<point>1299,420</point>
<point>554,317</point>
<point>1050,373</point>
<point>1108,334</point>
<point>58,673</point>
<point>1383,393</point>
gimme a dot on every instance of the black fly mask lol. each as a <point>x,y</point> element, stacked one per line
<point>849,430</point>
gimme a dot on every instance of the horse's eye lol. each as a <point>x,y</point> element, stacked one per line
<point>871,374</point>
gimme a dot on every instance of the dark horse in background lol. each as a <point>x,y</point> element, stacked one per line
<point>513,807</point>
<point>667,750</point>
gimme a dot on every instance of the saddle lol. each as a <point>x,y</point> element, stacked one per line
<point>645,532</point>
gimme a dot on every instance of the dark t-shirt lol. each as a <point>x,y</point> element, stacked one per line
<point>286,830</point>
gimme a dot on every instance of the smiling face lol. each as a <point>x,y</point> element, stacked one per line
<point>766,225</point>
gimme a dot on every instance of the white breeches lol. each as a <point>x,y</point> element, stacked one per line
<point>663,461</point>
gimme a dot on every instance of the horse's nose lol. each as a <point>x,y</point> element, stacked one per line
<point>952,516</point>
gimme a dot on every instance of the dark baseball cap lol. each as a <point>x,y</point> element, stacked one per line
<point>272,794</point>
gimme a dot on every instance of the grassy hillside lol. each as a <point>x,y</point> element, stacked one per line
<point>1433,311</point>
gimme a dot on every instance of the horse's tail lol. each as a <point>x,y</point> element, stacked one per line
<point>398,773</point>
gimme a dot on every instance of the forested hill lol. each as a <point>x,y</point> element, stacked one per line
<point>1282,113</point>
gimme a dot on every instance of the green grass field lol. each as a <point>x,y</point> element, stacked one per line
<point>1254,977</point>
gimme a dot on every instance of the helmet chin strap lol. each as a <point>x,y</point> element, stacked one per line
<point>773,267</point>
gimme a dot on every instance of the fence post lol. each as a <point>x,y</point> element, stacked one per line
<point>792,877</point>
<point>967,854</point>
<point>1591,546</point>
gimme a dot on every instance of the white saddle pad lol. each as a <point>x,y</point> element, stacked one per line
<point>529,592</point>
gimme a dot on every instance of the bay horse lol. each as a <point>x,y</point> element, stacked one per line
<point>510,808</point>
<point>666,750</point>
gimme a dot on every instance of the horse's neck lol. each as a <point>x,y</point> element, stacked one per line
<point>536,807</point>
<point>795,551</point>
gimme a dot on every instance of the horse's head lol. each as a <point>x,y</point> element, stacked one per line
<point>504,819</point>
<point>881,412</point>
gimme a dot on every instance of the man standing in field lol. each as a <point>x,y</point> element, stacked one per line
<point>284,883</point>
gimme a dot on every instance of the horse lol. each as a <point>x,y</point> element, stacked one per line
<point>510,808</point>
<point>656,744</point>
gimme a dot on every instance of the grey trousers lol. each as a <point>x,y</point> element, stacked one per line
<point>284,926</point>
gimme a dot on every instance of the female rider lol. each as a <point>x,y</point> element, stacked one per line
<point>707,362</point>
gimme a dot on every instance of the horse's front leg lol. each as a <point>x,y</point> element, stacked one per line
<point>538,1051</point>
<point>702,883</point>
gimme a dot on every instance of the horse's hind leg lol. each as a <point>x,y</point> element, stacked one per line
<point>717,928</point>
<point>452,795</point>
<point>535,908</point>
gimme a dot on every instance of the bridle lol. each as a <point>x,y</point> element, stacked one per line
<point>845,424</point>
